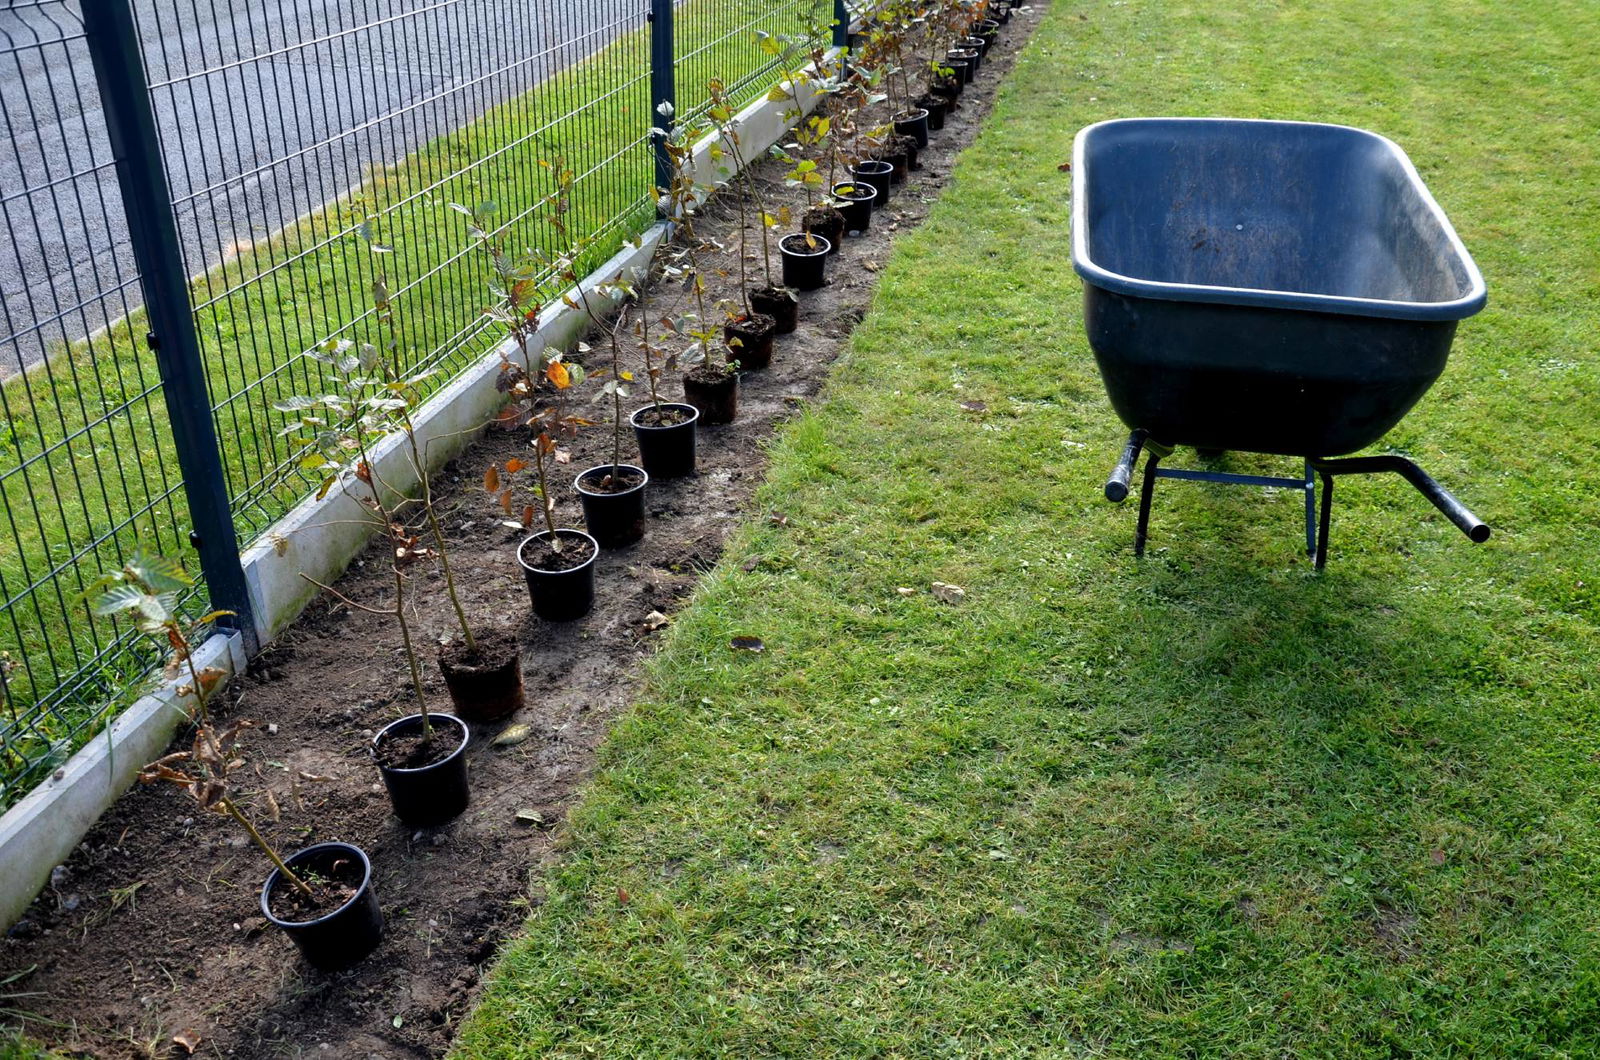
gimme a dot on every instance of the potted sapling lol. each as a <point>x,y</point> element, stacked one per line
<point>483,670</point>
<point>820,225</point>
<point>901,20</point>
<point>557,562</point>
<point>421,757</point>
<point>746,331</point>
<point>514,283</point>
<point>710,384</point>
<point>664,430</point>
<point>321,897</point>
<point>612,494</point>
<point>854,197</point>
<point>821,220</point>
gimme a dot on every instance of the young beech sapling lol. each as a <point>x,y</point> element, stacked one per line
<point>145,590</point>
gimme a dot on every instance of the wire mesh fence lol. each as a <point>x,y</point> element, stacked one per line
<point>296,136</point>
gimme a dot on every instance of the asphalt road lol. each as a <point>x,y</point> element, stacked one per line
<point>267,110</point>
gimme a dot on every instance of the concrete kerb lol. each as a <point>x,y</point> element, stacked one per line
<point>39,832</point>
<point>319,538</point>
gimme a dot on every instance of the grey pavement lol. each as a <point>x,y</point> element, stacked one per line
<point>267,109</point>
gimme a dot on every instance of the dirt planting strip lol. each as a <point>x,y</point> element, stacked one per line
<point>150,941</point>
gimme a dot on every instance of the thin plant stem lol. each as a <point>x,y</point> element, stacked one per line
<point>283,868</point>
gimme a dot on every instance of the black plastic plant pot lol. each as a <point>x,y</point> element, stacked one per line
<point>824,221</point>
<point>879,174</point>
<point>963,61</point>
<point>805,260</point>
<point>750,339</point>
<point>856,202</point>
<point>340,938</point>
<point>913,123</point>
<point>565,594</point>
<point>913,152</point>
<point>974,44</point>
<point>714,392</point>
<point>780,304</point>
<point>485,682</point>
<point>613,517</point>
<point>434,793</point>
<point>951,84</point>
<point>666,450</point>
<point>894,153</point>
<point>935,105</point>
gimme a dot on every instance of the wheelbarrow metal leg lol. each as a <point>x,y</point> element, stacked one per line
<point>1327,516</point>
<point>1311,510</point>
<point>1147,492</point>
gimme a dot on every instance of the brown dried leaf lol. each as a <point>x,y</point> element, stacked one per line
<point>975,406</point>
<point>187,1040</point>
<point>655,620</point>
<point>491,479</point>
<point>950,594</point>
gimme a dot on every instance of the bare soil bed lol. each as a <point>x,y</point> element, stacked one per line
<point>150,939</point>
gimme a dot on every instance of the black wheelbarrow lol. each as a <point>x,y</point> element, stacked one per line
<point>1269,287</point>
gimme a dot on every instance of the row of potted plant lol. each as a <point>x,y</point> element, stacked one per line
<point>916,57</point>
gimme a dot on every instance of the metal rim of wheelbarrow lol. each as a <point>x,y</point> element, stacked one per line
<point>1082,261</point>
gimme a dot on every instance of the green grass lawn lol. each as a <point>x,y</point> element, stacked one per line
<point>1206,804</point>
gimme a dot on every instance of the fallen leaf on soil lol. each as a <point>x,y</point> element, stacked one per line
<point>905,590</point>
<point>779,520</point>
<point>563,456</point>
<point>747,644</point>
<point>870,265</point>
<point>188,1041</point>
<point>654,621</point>
<point>513,736</point>
<point>622,896</point>
<point>950,594</point>
<point>975,406</point>
<point>531,816</point>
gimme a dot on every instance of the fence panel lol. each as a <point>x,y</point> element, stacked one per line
<point>85,446</point>
<point>292,132</point>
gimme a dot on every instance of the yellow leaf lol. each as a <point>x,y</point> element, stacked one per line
<point>558,375</point>
<point>491,479</point>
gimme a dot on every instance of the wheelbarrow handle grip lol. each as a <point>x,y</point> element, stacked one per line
<point>1122,474</point>
<point>1475,529</point>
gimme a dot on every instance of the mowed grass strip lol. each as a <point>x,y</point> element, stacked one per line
<point>1206,804</point>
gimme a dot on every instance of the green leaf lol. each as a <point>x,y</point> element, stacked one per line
<point>161,573</point>
<point>118,598</point>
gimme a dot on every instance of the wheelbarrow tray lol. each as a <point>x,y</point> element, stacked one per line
<point>1265,286</point>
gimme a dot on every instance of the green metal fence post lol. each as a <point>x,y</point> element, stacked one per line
<point>113,42</point>
<point>663,87</point>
